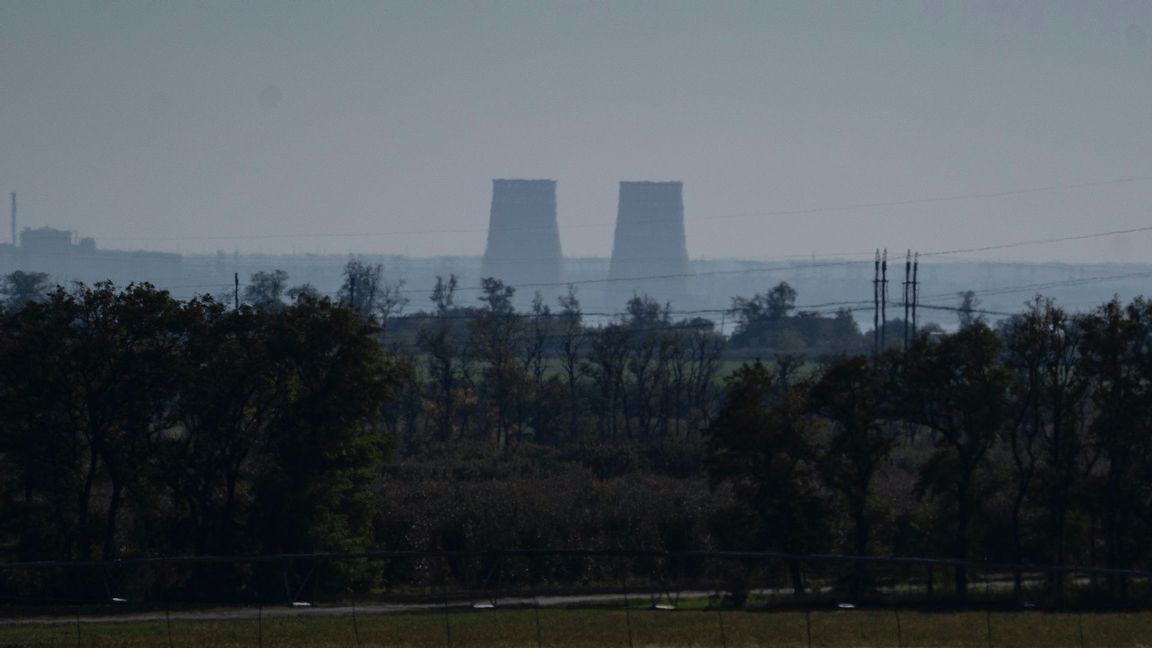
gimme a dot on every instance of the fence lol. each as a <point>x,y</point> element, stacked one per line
<point>538,597</point>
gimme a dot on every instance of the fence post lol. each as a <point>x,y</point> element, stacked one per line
<point>627,614</point>
<point>808,624</point>
<point>447,621</point>
<point>355,624</point>
<point>533,588</point>
<point>1080,625</point>
<point>536,610</point>
<point>720,619</point>
<point>899,630</point>
<point>988,625</point>
<point>78,644</point>
<point>258,591</point>
<point>444,590</point>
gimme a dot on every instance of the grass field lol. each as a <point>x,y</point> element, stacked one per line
<point>593,628</point>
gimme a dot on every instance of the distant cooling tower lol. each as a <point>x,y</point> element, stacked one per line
<point>523,238</point>
<point>650,253</point>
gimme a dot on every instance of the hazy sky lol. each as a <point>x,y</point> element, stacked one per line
<point>378,126</point>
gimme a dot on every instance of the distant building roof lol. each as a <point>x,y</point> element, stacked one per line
<point>45,237</point>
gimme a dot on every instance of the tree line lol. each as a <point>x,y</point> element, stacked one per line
<point>1031,443</point>
<point>134,423</point>
<point>137,424</point>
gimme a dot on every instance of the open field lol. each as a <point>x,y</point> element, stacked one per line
<point>603,627</point>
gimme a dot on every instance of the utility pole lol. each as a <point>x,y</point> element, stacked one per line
<point>13,219</point>
<point>236,289</point>
<point>876,306</point>
<point>915,290</point>
<point>907,293</point>
<point>352,291</point>
<point>884,300</point>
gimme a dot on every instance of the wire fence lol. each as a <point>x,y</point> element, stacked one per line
<point>562,597</point>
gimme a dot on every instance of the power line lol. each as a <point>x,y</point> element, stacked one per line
<point>868,305</point>
<point>1003,290</point>
<point>792,266</point>
<point>853,304</point>
<point>745,215</point>
<point>807,266</point>
<point>1061,239</point>
<point>685,275</point>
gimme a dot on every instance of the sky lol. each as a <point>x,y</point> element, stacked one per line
<point>798,128</point>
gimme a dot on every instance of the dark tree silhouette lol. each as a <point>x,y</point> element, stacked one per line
<point>20,288</point>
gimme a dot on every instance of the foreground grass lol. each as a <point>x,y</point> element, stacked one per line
<point>594,628</point>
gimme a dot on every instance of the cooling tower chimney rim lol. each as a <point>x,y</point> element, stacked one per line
<point>517,190</point>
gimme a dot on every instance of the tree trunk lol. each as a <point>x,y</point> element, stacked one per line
<point>84,540</point>
<point>227,522</point>
<point>1061,513</point>
<point>108,552</point>
<point>963,513</point>
<point>797,577</point>
<point>1018,543</point>
<point>860,544</point>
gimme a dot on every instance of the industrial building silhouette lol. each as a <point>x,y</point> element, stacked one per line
<point>66,258</point>
<point>649,243</point>
<point>523,236</point>
<point>649,252</point>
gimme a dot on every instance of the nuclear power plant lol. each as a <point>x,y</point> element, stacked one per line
<point>523,237</point>
<point>649,254</point>
<point>649,243</point>
<point>524,248</point>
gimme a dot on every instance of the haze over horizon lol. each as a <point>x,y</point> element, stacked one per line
<point>797,129</point>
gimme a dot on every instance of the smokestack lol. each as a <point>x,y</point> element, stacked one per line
<point>13,219</point>
<point>649,242</point>
<point>523,237</point>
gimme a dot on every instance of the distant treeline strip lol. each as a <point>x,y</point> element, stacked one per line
<point>855,305</point>
<point>808,266</point>
<point>578,553</point>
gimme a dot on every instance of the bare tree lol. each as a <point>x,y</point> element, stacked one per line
<point>607,361</point>
<point>966,312</point>
<point>368,292</point>
<point>266,289</point>
<point>443,357</point>
<point>494,331</point>
<point>704,349</point>
<point>570,344</point>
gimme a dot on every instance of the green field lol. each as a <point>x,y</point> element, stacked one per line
<point>563,627</point>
